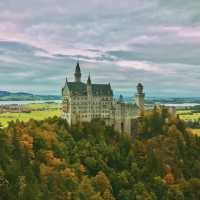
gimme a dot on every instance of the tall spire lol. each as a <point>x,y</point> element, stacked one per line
<point>89,86</point>
<point>89,80</point>
<point>77,74</point>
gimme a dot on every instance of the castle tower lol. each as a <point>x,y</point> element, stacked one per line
<point>139,97</point>
<point>89,100</point>
<point>121,98</point>
<point>77,74</point>
<point>89,86</point>
<point>66,81</point>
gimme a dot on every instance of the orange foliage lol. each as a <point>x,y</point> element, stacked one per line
<point>49,155</point>
<point>27,141</point>
<point>169,178</point>
<point>56,162</point>
<point>48,137</point>
<point>192,131</point>
<point>67,172</point>
<point>53,161</point>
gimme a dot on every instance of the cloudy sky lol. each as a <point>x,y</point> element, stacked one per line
<point>156,42</point>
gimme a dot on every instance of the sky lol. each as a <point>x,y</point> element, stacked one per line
<point>123,42</point>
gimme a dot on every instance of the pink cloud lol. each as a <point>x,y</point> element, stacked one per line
<point>188,32</point>
<point>138,65</point>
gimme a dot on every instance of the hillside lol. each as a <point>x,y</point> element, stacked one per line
<point>22,96</point>
<point>42,160</point>
<point>166,100</point>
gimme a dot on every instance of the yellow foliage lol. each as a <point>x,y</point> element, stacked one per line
<point>103,182</point>
<point>56,162</point>
<point>107,195</point>
<point>51,160</point>
<point>67,172</point>
<point>82,169</point>
<point>48,155</point>
<point>45,170</point>
<point>48,137</point>
<point>192,131</point>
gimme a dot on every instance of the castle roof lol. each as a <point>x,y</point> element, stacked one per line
<point>139,85</point>
<point>77,70</point>
<point>80,88</point>
<point>89,80</point>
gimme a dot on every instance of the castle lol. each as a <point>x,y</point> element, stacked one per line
<point>83,102</point>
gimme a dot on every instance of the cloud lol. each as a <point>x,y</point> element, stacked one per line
<point>122,42</point>
<point>184,32</point>
<point>138,65</point>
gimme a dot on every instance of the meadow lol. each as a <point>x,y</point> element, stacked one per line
<point>39,111</point>
<point>189,116</point>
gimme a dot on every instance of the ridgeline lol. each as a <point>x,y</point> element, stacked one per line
<point>22,96</point>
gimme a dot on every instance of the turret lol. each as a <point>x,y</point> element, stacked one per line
<point>65,88</point>
<point>111,92</point>
<point>89,86</point>
<point>121,99</point>
<point>77,74</point>
<point>139,97</point>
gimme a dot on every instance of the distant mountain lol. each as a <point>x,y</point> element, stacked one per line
<point>164,100</point>
<point>22,96</point>
<point>178,100</point>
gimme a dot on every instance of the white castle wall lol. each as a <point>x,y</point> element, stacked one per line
<point>78,109</point>
<point>83,108</point>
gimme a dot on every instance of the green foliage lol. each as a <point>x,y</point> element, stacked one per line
<point>50,160</point>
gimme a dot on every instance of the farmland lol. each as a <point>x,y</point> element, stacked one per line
<point>37,111</point>
<point>191,117</point>
<point>41,111</point>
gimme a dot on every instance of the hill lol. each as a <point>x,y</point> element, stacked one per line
<point>49,160</point>
<point>22,96</point>
<point>166,100</point>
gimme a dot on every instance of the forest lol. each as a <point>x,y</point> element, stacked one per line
<point>48,160</point>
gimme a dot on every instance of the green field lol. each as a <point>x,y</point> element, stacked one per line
<point>42,111</point>
<point>189,115</point>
